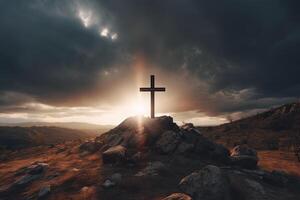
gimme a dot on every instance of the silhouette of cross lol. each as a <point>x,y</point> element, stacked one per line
<point>152,89</point>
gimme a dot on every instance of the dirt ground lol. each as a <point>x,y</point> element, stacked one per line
<point>74,176</point>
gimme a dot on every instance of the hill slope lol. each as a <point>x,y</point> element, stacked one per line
<point>278,128</point>
<point>20,137</point>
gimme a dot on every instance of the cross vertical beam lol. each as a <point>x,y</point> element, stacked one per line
<point>152,96</point>
<point>152,91</point>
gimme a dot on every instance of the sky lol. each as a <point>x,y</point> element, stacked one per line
<point>84,60</point>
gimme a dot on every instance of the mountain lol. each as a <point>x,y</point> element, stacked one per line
<point>277,128</point>
<point>71,125</point>
<point>20,137</point>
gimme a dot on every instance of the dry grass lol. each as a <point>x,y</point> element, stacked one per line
<point>279,160</point>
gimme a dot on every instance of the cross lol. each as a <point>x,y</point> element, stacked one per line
<point>152,89</point>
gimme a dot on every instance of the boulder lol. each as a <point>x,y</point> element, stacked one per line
<point>114,180</point>
<point>90,147</point>
<point>190,136</point>
<point>108,183</point>
<point>277,178</point>
<point>168,142</point>
<point>254,190</point>
<point>209,183</point>
<point>37,168</point>
<point>178,196</point>
<point>204,145</point>
<point>246,186</point>
<point>44,191</point>
<point>152,169</point>
<point>184,147</point>
<point>220,153</point>
<point>26,179</point>
<point>116,154</point>
<point>187,126</point>
<point>244,156</point>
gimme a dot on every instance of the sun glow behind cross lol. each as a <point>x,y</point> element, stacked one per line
<point>139,108</point>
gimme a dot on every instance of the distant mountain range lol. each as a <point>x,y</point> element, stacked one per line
<point>21,135</point>
<point>71,125</point>
<point>278,128</point>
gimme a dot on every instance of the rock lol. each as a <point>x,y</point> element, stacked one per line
<point>204,145</point>
<point>209,183</point>
<point>190,136</point>
<point>137,157</point>
<point>116,178</point>
<point>90,147</point>
<point>245,185</point>
<point>220,153</point>
<point>135,132</point>
<point>244,156</point>
<point>254,190</point>
<point>178,196</point>
<point>277,178</point>
<point>88,193</point>
<point>37,168</point>
<point>184,147</point>
<point>152,169</point>
<point>187,126</point>
<point>26,179</point>
<point>108,183</point>
<point>168,142</point>
<point>243,150</point>
<point>44,191</point>
<point>75,169</point>
<point>116,154</point>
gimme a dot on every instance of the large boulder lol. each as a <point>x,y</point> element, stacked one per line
<point>116,154</point>
<point>168,142</point>
<point>209,183</point>
<point>178,196</point>
<point>244,156</point>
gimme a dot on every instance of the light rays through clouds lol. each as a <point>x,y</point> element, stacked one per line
<point>84,60</point>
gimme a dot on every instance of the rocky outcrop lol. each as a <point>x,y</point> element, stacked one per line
<point>244,156</point>
<point>168,142</point>
<point>208,183</point>
<point>116,154</point>
<point>162,135</point>
<point>136,132</point>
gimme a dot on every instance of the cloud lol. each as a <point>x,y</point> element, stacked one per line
<point>216,57</point>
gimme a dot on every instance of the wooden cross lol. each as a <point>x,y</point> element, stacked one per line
<point>152,89</point>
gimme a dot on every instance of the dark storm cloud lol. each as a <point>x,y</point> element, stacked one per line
<point>232,45</point>
<point>244,53</point>
<point>46,55</point>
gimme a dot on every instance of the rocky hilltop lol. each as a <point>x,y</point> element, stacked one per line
<point>150,159</point>
<point>275,129</point>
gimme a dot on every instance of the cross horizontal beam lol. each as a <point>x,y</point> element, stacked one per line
<point>158,89</point>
